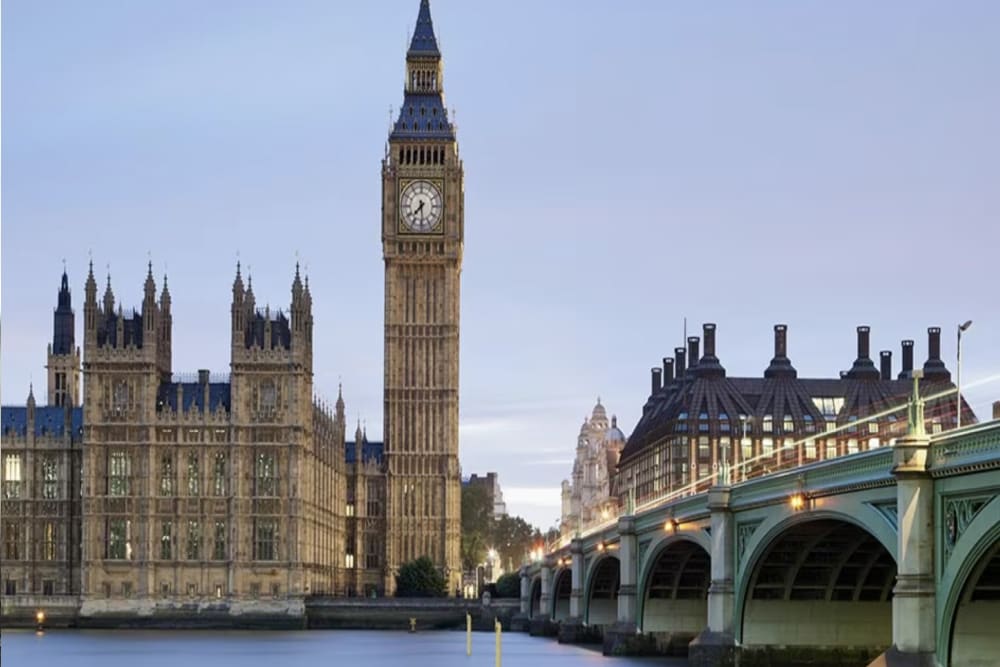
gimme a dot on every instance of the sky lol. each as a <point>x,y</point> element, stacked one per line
<point>627,165</point>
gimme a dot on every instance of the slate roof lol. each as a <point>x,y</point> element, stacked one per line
<point>193,396</point>
<point>49,420</point>
<point>423,114</point>
<point>424,43</point>
<point>369,450</point>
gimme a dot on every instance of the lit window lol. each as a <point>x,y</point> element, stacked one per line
<point>788,424</point>
<point>167,540</point>
<point>167,475</point>
<point>194,481</point>
<point>810,449</point>
<point>873,428</point>
<point>767,446</point>
<point>119,470</point>
<point>118,544</point>
<point>768,425</point>
<point>49,541</point>
<point>219,547</point>
<point>12,476</point>
<point>50,479</point>
<point>219,474</point>
<point>265,481</point>
<point>193,550</point>
<point>852,445</point>
<point>349,561</point>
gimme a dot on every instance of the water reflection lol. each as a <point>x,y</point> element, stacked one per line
<point>135,648</point>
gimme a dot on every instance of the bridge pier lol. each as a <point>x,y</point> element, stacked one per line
<point>572,630</point>
<point>522,619</point>
<point>913,597</point>
<point>542,625</point>
<point>716,644</point>
<point>623,637</point>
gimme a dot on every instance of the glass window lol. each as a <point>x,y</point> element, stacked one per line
<point>788,424</point>
<point>265,539</point>
<point>193,478</point>
<point>831,448</point>
<point>12,541</point>
<point>810,449</point>
<point>49,540</point>
<point>768,424</point>
<point>852,445</point>
<point>767,446</point>
<point>167,475</point>
<point>193,548</point>
<point>219,474</point>
<point>265,481</point>
<point>349,561</point>
<point>117,546</point>
<point>704,450</point>
<point>219,548</point>
<point>747,445</point>
<point>119,470</point>
<point>50,478</point>
<point>12,476</point>
<point>167,540</point>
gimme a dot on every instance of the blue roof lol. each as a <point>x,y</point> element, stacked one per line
<point>424,43</point>
<point>49,420</point>
<point>423,116</point>
<point>193,396</point>
<point>369,450</point>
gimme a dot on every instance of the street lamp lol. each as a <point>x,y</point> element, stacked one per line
<point>958,377</point>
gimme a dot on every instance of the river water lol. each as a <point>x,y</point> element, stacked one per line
<point>162,648</point>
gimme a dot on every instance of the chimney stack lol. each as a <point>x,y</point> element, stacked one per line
<point>934,368</point>
<point>203,376</point>
<point>781,365</point>
<point>907,371</point>
<point>657,375</point>
<point>863,367</point>
<point>679,362</point>
<point>668,370</point>
<point>996,409</point>
<point>708,331</point>
<point>693,345</point>
<point>709,365</point>
<point>886,359</point>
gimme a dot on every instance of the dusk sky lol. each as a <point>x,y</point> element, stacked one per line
<point>627,164</point>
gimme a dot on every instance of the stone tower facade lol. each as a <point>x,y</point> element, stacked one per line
<point>422,236</point>
<point>64,357</point>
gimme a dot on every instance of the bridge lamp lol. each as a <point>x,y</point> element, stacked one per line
<point>797,501</point>
<point>40,619</point>
<point>600,546</point>
<point>958,377</point>
<point>671,525</point>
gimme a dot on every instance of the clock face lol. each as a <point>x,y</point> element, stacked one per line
<point>420,206</point>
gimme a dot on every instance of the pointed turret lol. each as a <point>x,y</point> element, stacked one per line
<point>358,435</point>
<point>109,297</point>
<point>165,295</point>
<point>63,321</point>
<point>149,287</point>
<point>423,114</point>
<point>340,403</point>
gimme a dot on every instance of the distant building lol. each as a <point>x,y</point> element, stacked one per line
<point>588,498</point>
<point>697,418</point>
<point>492,483</point>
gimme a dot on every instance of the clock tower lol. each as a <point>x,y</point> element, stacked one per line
<point>422,233</point>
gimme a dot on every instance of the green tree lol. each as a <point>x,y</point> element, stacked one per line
<point>420,579</point>
<point>509,585</point>
<point>477,520</point>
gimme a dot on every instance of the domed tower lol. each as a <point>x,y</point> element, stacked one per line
<point>423,226</point>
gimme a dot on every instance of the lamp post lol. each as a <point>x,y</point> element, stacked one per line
<point>958,376</point>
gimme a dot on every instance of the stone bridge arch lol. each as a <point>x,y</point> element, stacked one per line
<point>535,597</point>
<point>969,589</point>
<point>817,579</point>
<point>601,591</point>
<point>562,588</point>
<point>673,589</point>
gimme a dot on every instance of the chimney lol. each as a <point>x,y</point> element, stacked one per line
<point>668,370</point>
<point>679,362</point>
<point>885,357</point>
<point>863,368</point>
<point>780,365</point>
<point>693,355</point>
<point>907,371</point>
<point>657,379</point>
<point>934,368</point>
<point>996,409</point>
<point>709,365</point>
<point>202,376</point>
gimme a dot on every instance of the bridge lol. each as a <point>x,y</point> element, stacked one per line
<point>889,556</point>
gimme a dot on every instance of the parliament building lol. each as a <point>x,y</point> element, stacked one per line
<point>136,488</point>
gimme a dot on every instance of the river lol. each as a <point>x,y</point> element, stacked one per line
<point>163,648</point>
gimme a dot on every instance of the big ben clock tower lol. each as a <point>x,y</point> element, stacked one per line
<point>422,232</point>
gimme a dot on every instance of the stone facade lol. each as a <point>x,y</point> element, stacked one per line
<point>587,498</point>
<point>422,241</point>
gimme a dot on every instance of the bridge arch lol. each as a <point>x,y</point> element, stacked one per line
<point>817,579</point>
<point>673,602</point>
<point>535,606</point>
<point>603,580</point>
<point>970,590</point>
<point>562,588</point>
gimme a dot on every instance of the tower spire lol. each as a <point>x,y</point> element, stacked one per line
<point>424,43</point>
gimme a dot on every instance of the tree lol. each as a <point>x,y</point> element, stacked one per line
<point>509,585</point>
<point>420,579</point>
<point>477,520</point>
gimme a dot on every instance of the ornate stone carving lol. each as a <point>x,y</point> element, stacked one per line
<point>957,515</point>
<point>744,531</point>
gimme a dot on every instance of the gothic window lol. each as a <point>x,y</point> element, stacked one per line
<point>192,549</point>
<point>12,476</point>
<point>268,396</point>
<point>167,475</point>
<point>219,474</point>
<point>117,542</point>
<point>119,398</point>
<point>12,541</point>
<point>50,479</point>
<point>265,539</point>
<point>219,546</point>
<point>349,561</point>
<point>265,478</point>
<point>49,541</point>
<point>119,470</point>
<point>193,478</point>
<point>167,540</point>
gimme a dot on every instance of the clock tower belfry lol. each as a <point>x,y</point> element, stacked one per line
<point>422,235</point>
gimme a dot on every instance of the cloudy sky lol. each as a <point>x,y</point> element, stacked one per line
<point>628,164</point>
